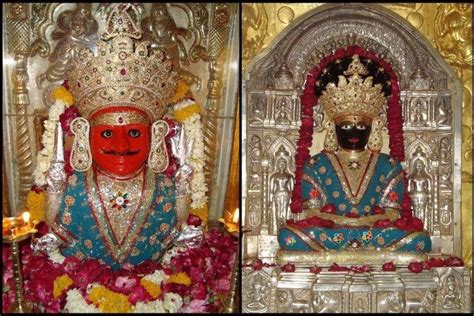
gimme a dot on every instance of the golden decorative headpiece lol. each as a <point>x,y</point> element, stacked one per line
<point>121,73</point>
<point>353,96</point>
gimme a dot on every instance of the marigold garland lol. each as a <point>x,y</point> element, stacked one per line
<point>61,283</point>
<point>184,113</point>
<point>182,90</point>
<point>61,93</point>
<point>35,203</point>
<point>109,301</point>
<point>152,288</point>
<point>179,278</point>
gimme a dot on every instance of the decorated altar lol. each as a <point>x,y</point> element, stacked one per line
<point>353,183</point>
<point>122,198</point>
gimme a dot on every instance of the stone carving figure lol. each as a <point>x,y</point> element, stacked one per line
<point>418,118</point>
<point>255,159</point>
<point>258,290</point>
<point>452,295</point>
<point>281,185</point>
<point>257,107</point>
<point>282,112</point>
<point>420,187</point>
<point>445,149</point>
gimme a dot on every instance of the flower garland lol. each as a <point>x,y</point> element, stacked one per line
<point>187,112</point>
<point>63,99</point>
<point>190,281</point>
<point>309,99</point>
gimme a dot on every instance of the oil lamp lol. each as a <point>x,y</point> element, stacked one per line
<point>16,229</point>
<point>232,226</point>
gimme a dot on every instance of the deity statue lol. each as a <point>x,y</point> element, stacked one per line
<point>352,193</point>
<point>281,183</point>
<point>452,295</point>
<point>419,187</point>
<point>119,206</point>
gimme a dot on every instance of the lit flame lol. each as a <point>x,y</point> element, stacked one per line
<point>235,218</point>
<point>26,217</point>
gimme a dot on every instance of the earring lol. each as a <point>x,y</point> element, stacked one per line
<point>81,157</point>
<point>375,138</point>
<point>158,157</point>
<point>330,141</point>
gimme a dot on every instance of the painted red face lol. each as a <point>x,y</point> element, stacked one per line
<point>120,149</point>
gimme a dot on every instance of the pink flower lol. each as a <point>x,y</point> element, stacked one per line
<point>139,294</point>
<point>71,264</point>
<point>195,306</point>
<point>194,220</point>
<point>198,291</point>
<point>66,118</point>
<point>81,279</point>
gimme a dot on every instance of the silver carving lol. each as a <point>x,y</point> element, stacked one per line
<point>190,236</point>
<point>451,294</point>
<point>420,188</point>
<point>256,295</point>
<point>77,30</point>
<point>47,243</point>
<point>181,147</point>
<point>255,163</point>
<point>281,186</point>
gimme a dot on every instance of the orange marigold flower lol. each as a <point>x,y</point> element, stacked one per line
<point>62,93</point>
<point>201,212</point>
<point>35,203</point>
<point>60,284</point>
<point>183,114</point>
<point>180,278</point>
<point>152,288</point>
<point>181,91</point>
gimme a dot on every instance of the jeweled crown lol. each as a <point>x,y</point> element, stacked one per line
<point>353,95</point>
<point>122,73</point>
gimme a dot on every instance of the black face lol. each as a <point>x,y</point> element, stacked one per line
<point>351,135</point>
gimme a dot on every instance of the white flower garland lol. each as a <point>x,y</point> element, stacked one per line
<point>193,129</point>
<point>45,156</point>
<point>75,303</point>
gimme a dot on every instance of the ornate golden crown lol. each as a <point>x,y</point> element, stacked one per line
<point>119,75</point>
<point>353,96</point>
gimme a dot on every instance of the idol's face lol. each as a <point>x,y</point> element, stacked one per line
<point>352,135</point>
<point>120,149</point>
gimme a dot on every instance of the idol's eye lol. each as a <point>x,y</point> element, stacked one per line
<point>361,127</point>
<point>134,133</point>
<point>107,133</point>
<point>346,126</point>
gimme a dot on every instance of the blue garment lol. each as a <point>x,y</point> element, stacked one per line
<point>83,223</point>
<point>382,185</point>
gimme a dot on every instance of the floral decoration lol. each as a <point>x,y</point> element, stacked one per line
<point>187,112</point>
<point>189,280</point>
<point>289,267</point>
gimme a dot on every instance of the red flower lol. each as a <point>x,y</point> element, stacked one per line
<point>393,196</point>
<point>415,267</point>
<point>38,189</point>
<point>71,264</point>
<point>388,266</point>
<point>42,228</point>
<point>198,291</point>
<point>139,294</point>
<point>337,268</point>
<point>257,265</point>
<point>315,270</point>
<point>378,210</point>
<point>147,267</point>
<point>194,220</point>
<point>289,267</point>
<point>329,208</point>
<point>382,223</point>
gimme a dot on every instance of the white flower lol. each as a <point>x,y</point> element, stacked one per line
<point>171,253</point>
<point>172,302</point>
<point>183,104</point>
<point>45,156</point>
<point>75,303</point>
<point>156,277</point>
<point>150,307</point>
<point>56,257</point>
